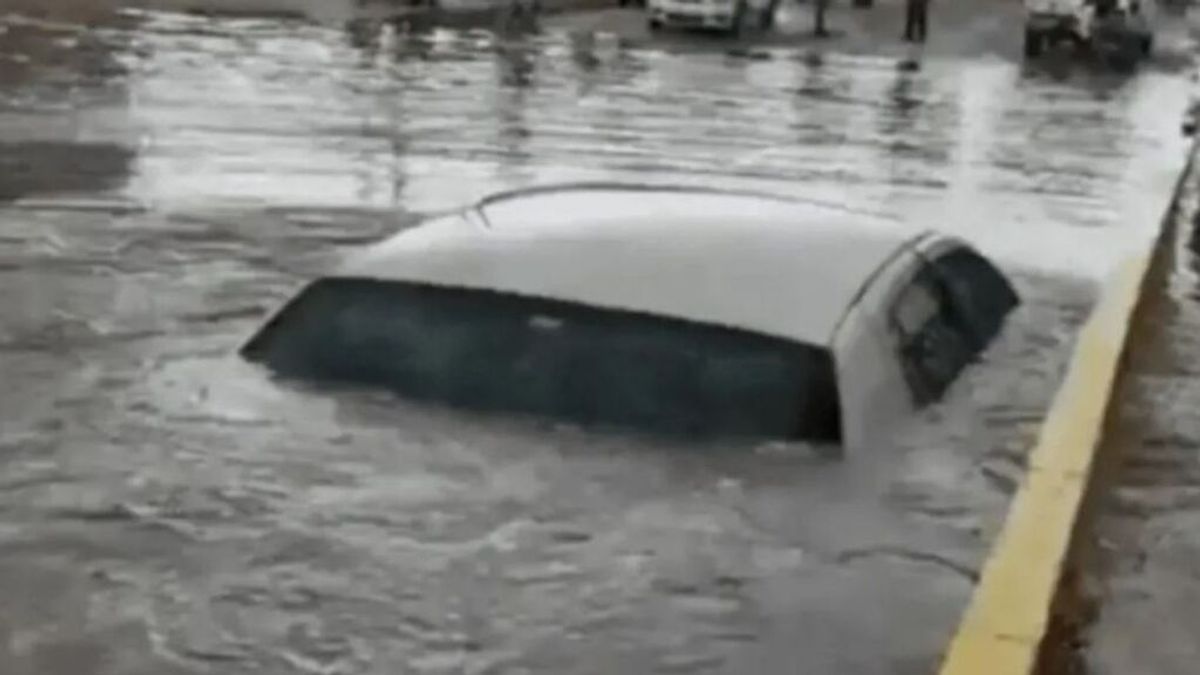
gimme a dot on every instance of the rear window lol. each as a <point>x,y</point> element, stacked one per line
<point>498,352</point>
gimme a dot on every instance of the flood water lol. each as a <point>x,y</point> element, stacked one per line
<point>1143,555</point>
<point>167,509</point>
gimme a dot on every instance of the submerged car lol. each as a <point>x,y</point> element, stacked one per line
<point>662,309</point>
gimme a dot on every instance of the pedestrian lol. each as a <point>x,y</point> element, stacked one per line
<point>1103,7</point>
<point>819,7</point>
<point>916,20</point>
<point>516,15</point>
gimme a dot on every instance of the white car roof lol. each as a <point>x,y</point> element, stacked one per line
<point>767,264</point>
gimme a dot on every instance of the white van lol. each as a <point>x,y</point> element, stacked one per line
<point>663,309</point>
<point>725,15</point>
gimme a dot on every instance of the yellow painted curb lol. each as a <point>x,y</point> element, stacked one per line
<point>1006,623</point>
<point>1010,611</point>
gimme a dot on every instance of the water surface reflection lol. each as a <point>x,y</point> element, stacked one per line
<point>165,508</point>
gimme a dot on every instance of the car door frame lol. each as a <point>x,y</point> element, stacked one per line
<point>871,382</point>
<point>873,385</point>
<point>931,251</point>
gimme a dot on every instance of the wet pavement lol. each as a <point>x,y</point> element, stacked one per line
<point>1146,553</point>
<point>167,509</point>
<point>979,28</point>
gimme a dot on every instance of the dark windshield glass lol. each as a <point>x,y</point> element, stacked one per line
<point>979,291</point>
<point>491,351</point>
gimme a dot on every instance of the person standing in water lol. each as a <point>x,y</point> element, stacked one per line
<point>916,20</point>
<point>819,9</point>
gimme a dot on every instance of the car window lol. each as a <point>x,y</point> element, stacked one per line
<point>502,352</point>
<point>980,292</point>
<point>917,307</point>
<point>931,338</point>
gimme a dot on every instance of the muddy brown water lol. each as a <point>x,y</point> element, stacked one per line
<point>165,508</point>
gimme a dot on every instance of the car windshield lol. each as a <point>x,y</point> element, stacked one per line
<point>500,352</point>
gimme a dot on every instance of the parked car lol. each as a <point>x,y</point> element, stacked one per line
<point>729,16</point>
<point>663,309</point>
<point>1124,29</point>
<point>1106,25</point>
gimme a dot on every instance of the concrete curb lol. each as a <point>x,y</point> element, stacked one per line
<point>1013,608</point>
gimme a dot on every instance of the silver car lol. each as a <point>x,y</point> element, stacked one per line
<point>663,309</point>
